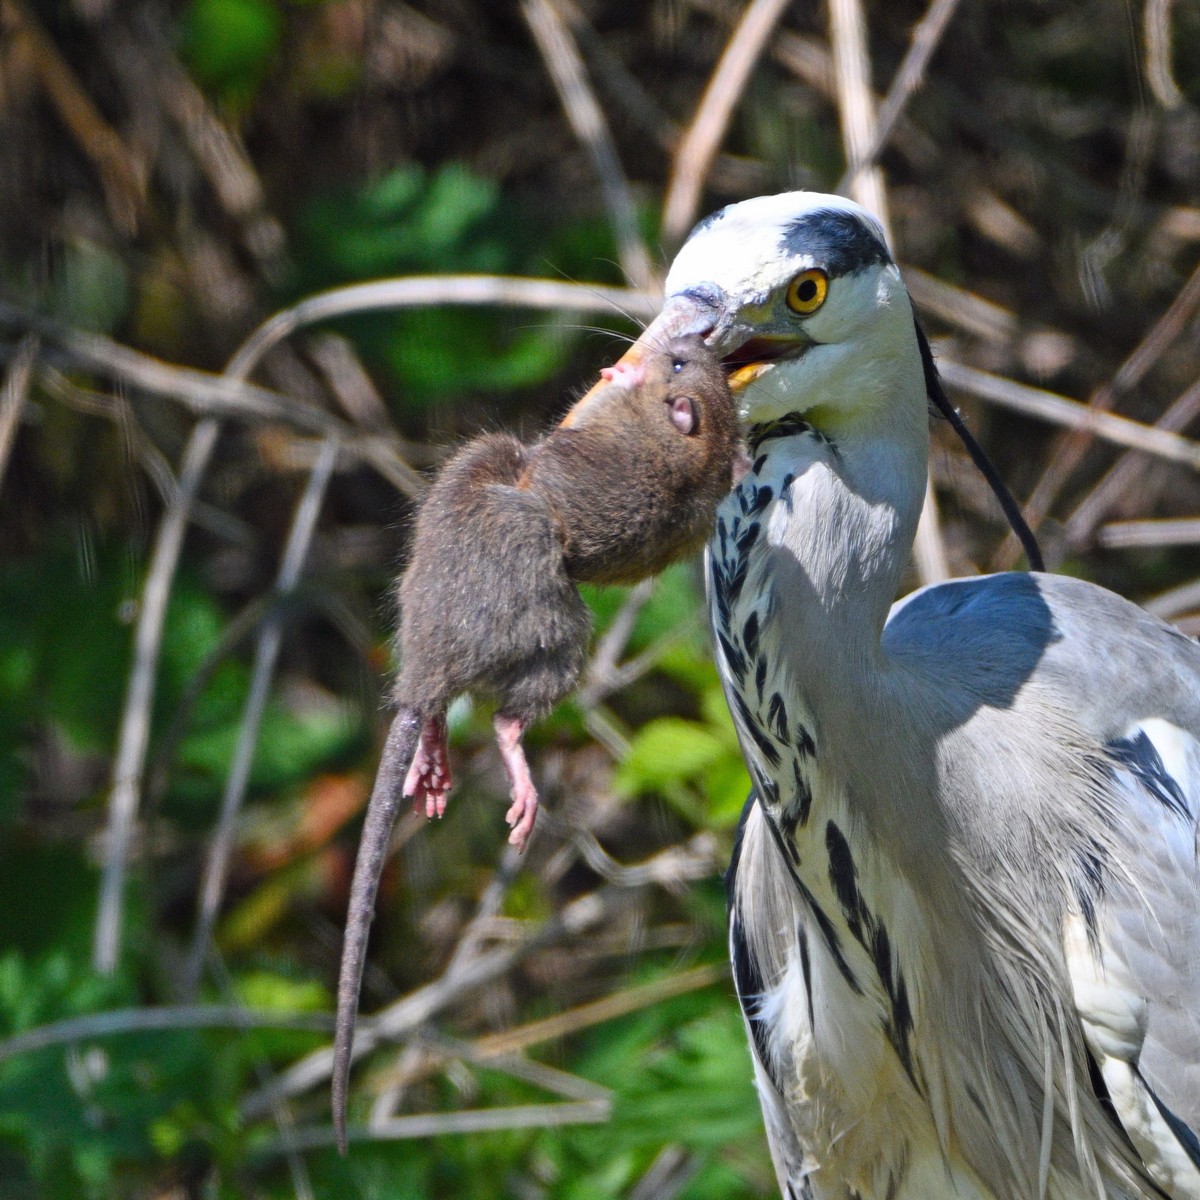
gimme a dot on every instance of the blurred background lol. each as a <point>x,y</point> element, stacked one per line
<point>200,530</point>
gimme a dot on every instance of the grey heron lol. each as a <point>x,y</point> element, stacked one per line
<point>964,897</point>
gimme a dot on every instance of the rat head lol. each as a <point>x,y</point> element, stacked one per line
<point>683,374</point>
<point>637,469</point>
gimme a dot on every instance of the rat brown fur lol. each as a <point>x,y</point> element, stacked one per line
<point>628,483</point>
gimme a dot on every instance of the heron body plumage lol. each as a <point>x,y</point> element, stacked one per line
<point>965,899</point>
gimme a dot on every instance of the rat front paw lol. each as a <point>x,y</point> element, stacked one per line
<point>428,781</point>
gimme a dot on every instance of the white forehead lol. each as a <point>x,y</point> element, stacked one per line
<point>744,249</point>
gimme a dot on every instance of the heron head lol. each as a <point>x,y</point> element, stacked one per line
<point>799,296</point>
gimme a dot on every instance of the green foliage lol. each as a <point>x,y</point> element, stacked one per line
<point>230,44</point>
<point>413,222</point>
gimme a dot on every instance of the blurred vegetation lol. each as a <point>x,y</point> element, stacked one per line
<point>171,174</point>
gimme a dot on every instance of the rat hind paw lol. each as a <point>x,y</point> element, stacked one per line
<point>523,810</point>
<point>428,781</point>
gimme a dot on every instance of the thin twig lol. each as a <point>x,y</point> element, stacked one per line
<point>209,395</point>
<point>1156,19</point>
<point>1175,602</point>
<point>13,394</point>
<point>586,118</point>
<point>400,1019</point>
<point>410,1012</point>
<point>671,869</point>
<point>698,146</point>
<point>115,408</point>
<point>469,1120</point>
<point>673,1168</point>
<point>959,308</point>
<point>609,648</point>
<point>856,102</point>
<point>122,175</point>
<point>266,654</point>
<point>596,1012</point>
<point>505,291</point>
<point>139,698</point>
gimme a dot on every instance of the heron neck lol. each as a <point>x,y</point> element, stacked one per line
<point>838,539</point>
<point>845,530</point>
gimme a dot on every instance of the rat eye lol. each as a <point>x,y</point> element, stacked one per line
<point>677,365</point>
<point>683,414</point>
<point>806,293</point>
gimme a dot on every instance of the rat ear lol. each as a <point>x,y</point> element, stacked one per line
<point>683,414</point>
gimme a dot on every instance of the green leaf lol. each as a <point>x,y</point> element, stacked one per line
<point>229,44</point>
<point>667,751</point>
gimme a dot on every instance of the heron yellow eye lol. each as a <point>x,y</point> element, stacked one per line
<point>806,293</point>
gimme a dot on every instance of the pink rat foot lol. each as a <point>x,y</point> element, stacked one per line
<point>428,780</point>
<point>627,374</point>
<point>523,810</point>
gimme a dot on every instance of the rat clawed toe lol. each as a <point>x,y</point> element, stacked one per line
<point>428,781</point>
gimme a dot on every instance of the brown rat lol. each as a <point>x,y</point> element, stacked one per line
<point>628,483</point>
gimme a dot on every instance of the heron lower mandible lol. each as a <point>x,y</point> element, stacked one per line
<point>964,898</point>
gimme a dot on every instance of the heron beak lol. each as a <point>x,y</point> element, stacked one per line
<point>745,354</point>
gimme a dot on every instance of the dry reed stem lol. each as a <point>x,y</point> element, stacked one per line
<point>1150,533</point>
<point>1048,406</point>
<point>583,112</point>
<point>266,654</point>
<point>1069,450</point>
<point>14,392</point>
<point>1175,602</point>
<point>1125,473</point>
<point>698,147</point>
<point>469,1120</point>
<point>1156,22</point>
<point>122,176</point>
<point>909,77</point>
<point>166,1017</point>
<point>856,110</point>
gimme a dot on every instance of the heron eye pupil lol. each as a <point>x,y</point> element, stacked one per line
<point>807,290</point>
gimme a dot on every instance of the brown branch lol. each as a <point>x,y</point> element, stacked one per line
<point>1048,406</point>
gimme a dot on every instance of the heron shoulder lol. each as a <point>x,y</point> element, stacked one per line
<point>1081,647</point>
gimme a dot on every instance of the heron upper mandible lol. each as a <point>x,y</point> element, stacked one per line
<point>964,897</point>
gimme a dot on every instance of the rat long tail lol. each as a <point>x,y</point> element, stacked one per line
<point>382,808</point>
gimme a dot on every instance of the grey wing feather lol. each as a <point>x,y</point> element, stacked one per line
<point>1136,971</point>
<point>1128,687</point>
